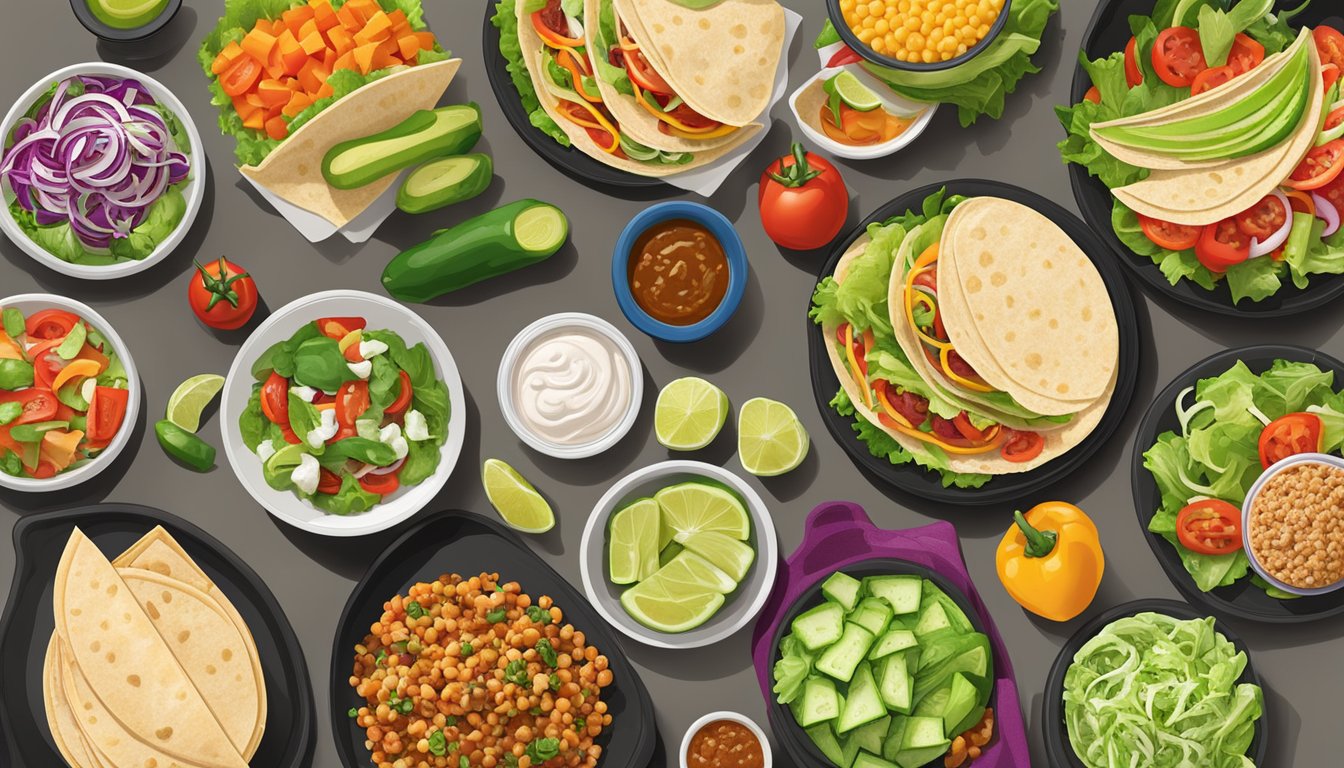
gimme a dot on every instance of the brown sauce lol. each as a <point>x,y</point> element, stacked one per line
<point>678,272</point>
<point>725,744</point>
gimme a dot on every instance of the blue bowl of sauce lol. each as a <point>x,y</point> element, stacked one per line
<point>679,270</point>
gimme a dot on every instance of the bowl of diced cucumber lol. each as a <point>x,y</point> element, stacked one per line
<point>881,665</point>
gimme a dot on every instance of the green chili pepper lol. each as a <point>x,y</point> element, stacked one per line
<point>182,445</point>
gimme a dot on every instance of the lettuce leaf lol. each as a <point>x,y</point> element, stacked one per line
<point>506,20</point>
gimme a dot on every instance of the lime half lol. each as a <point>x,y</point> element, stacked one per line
<point>770,438</point>
<point>696,507</point>
<point>854,93</point>
<point>632,547</point>
<point>689,414</point>
<point>681,596</point>
<point>126,14</point>
<point>515,499</point>
<point>190,399</point>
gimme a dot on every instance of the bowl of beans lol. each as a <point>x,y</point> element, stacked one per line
<point>1293,519</point>
<point>725,740</point>
<point>918,35</point>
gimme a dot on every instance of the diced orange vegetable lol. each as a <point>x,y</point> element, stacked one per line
<point>59,446</point>
<point>409,47</point>
<point>277,128</point>
<point>313,44</point>
<point>426,40</point>
<point>313,75</point>
<point>297,103</point>
<point>243,107</point>
<point>259,43</point>
<point>273,92</point>
<point>341,41</point>
<point>377,28</point>
<point>226,57</point>
<point>75,369</point>
<point>275,65</point>
<point>326,91</point>
<point>256,120</point>
<point>318,5</point>
<point>87,352</point>
<point>329,59</point>
<point>9,349</point>
<point>296,16</point>
<point>346,15</point>
<point>326,17</point>
<point>364,57</point>
<point>398,17</point>
<point>307,28</point>
<point>363,9</point>
<point>386,48</point>
<point>292,54</point>
<point>345,61</point>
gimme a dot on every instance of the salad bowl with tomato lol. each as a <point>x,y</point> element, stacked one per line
<point>1273,248</point>
<point>69,393</point>
<point>1203,447</point>
<point>341,413</point>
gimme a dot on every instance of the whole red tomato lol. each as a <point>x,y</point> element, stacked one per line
<point>222,295</point>
<point>803,201</point>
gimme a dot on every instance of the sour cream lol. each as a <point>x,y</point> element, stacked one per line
<point>572,386</point>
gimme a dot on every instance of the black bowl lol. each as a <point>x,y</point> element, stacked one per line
<point>1243,599</point>
<point>116,34</point>
<point>1057,746</point>
<point>457,542</point>
<point>925,483</point>
<point>1107,33</point>
<point>867,52</point>
<point>39,540</point>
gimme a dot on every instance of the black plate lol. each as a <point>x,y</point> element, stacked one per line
<point>1242,599</point>
<point>925,483</point>
<point>793,741</point>
<point>567,160</point>
<point>27,625</point>
<point>1057,746</point>
<point>1107,33</point>
<point>458,542</point>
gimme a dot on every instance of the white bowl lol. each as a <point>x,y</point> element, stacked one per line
<point>714,717</point>
<point>742,605</point>
<point>1256,487</point>
<point>891,101</point>
<point>32,302</point>
<point>380,313</point>
<point>504,384</point>
<point>193,191</point>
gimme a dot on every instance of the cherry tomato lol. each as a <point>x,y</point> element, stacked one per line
<point>352,400</point>
<point>1209,527</point>
<point>1246,54</point>
<point>1133,74</point>
<point>241,75</point>
<point>1093,95</point>
<point>107,410</point>
<point>1321,166</point>
<point>803,201</point>
<point>1222,245</point>
<point>553,27</point>
<point>1333,192</point>
<point>50,324</point>
<point>1290,435</point>
<point>39,404</point>
<point>328,482</point>
<point>380,484</point>
<point>1169,235</point>
<point>339,327</point>
<point>1178,56</point>
<point>403,395</point>
<point>275,399</point>
<point>1021,446</point>
<point>967,429</point>
<point>1262,219</point>
<point>222,295</point>
<point>1211,78</point>
<point>1330,45</point>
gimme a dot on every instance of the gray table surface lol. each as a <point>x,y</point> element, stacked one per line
<point>758,353</point>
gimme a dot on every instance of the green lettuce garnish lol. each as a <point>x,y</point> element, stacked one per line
<point>506,20</point>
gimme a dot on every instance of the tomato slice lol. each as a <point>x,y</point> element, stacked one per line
<point>1211,78</point>
<point>39,404</point>
<point>380,484</point>
<point>46,363</point>
<point>275,399</point>
<point>352,400</point>
<point>1093,95</point>
<point>1321,166</point>
<point>1246,54</point>
<point>1021,446</point>
<point>1133,75</point>
<point>1222,245</point>
<point>340,327</point>
<point>1169,235</point>
<point>1262,219</point>
<point>1330,75</point>
<point>963,424</point>
<point>50,324</point>
<point>1178,56</point>
<point>45,469</point>
<point>241,75</point>
<point>1300,201</point>
<point>328,481</point>
<point>1209,527</point>
<point>107,410</point>
<point>1290,435</point>
<point>644,75</point>
<point>403,396</point>
<point>1334,119</point>
<point>1330,45</point>
<point>1333,192</point>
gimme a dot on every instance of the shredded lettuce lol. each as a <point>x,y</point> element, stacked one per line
<point>1155,691</point>
<point>506,20</point>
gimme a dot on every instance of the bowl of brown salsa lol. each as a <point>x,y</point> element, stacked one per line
<point>679,271</point>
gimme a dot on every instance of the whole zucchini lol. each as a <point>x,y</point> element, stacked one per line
<point>445,181</point>
<point>425,135</point>
<point>508,238</point>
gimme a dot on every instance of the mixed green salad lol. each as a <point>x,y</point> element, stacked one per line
<point>1238,424</point>
<point>343,415</point>
<point>1183,48</point>
<point>1155,691</point>
<point>978,86</point>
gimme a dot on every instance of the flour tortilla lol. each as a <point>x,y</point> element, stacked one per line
<point>64,729</point>
<point>721,59</point>
<point>1057,441</point>
<point>293,171</point>
<point>531,45</point>
<point>636,121</point>
<point>1202,196</point>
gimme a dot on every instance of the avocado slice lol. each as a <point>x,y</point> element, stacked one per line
<point>425,135</point>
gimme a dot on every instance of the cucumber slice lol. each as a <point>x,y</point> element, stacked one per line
<point>866,760</point>
<point>961,698</point>
<point>873,615</point>
<point>445,181</point>
<point>843,589</point>
<point>841,659</point>
<point>820,627</point>
<point>896,686</point>
<point>863,705</point>
<point>819,703</point>
<point>823,736</point>
<point>869,737</point>
<point>892,641</point>
<point>902,593</point>
<point>424,135</point>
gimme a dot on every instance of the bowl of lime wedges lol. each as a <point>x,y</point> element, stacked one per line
<point>680,554</point>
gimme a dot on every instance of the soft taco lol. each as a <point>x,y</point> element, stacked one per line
<point>975,336</point>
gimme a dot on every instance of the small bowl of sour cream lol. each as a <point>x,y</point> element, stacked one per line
<point>570,385</point>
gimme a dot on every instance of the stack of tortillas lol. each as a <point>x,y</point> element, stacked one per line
<point>150,664</point>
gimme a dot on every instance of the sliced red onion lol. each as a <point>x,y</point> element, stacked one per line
<point>390,468</point>
<point>1326,211</point>
<point>1274,241</point>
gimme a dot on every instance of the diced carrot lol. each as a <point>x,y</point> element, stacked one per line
<point>346,15</point>
<point>256,121</point>
<point>297,103</point>
<point>383,60</point>
<point>59,446</point>
<point>275,65</point>
<point>307,28</point>
<point>340,40</point>
<point>388,47</point>
<point>345,61</point>
<point>293,84</point>
<point>272,93</point>
<point>254,99</point>
<point>226,57</point>
<point>278,26</point>
<point>376,28</point>
<point>313,44</point>
<point>326,91</point>
<point>401,30</point>
<point>259,43</point>
<point>398,17</point>
<point>364,55</point>
<point>329,59</point>
<point>9,348</point>
<point>277,128</point>
<point>87,352</point>
<point>408,46</point>
<point>426,39</point>
<point>363,9</point>
<point>296,16</point>
<point>244,108</point>
<point>325,17</point>
<point>313,75</point>
<point>318,5</point>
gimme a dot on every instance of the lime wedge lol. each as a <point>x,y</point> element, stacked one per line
<point>723,552</point>
<point>681,596</point>
<point>190,399</point>
<point>689,414</point>
<point>515,499</point>
<point>770,439</point>
<point>854,93</point>
<point>696,507</point>
<point>632,542</point>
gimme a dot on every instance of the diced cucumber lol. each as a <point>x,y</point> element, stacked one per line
<point>866,760</point>
<point>873,615</point>
<point>918,758</point>
<point>896,685</point>
<point>892,641</point>
<point>983,688</point>
<point>843,589</point>
<point>955,616</point>
<point>822,735</point>
<point>921,732</point>
<point>869,737</point>
<point>934,704</point>
<point>902,593</point>
<point>975,660</point>
<point>819,702</point>
<point>961,698</point>
<point>932,617</point>
<point>820,626</point>
<point>891,746</point>
<point>841,659</point>
<point>863,705</point>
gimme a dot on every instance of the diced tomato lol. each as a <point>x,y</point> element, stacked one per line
<point>1262,219</point>
<point>1211,78</point>
<point>50,324</point>
<point>1169,235</point>
<point>963,424</point>
<point>1334,193</point>
<point>352,400</point>
<point>1222,245</point>
<point>339,327</point>
<point>47,364</point>
<point>1020,446</point>
<point>107,410</point>
<point>1178,56</point>
<point>328,481</point>
<point>1246,54</point>
<point>403,396</point>
<point>380,484</point>
<point>38,404</point>
<point>275,399</point>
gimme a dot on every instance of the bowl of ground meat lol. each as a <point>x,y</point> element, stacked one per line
<point>1293,519</point>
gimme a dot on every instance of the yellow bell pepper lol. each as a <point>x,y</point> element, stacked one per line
<point>1051,561</point>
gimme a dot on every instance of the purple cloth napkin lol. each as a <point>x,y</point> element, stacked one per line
<point>839,533</point>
